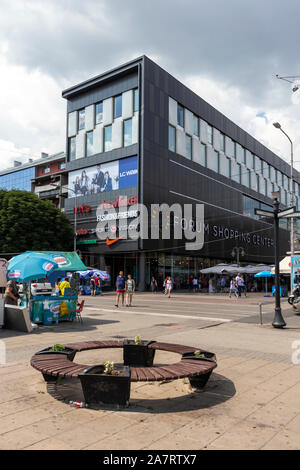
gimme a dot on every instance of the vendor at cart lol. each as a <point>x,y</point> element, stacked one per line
<point>64,285</point>
<point>11,293</point>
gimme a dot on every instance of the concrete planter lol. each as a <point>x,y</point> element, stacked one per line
<point>99,387</point>
<point>138,354</point>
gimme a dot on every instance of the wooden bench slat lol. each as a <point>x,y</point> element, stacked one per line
<point>58,368</point>
<point>72,370</point>
<point>166,374</point>
<point>142,374</point>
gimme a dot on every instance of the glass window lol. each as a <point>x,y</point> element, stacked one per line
<point>117,106</point>
<point>272,174</point>
<point>180,115</point>
<point>196,125</point>
<point>250,204</point>
<point>172,139</point>
<point>188,146</point>
<point>250,160</point>
<point>257,164</point>
<point>203,154</point>
<point>89,144</point>
<point>99,113</point>
<point>81,119</point>
<point>135,100</point>
<point>266,170</point>
<point>246,177</point>
<point>222,142</point>
<point>225,165</point>
<point>253,181</point>
<point>234,150</point>
<point>127,132</point>
<point>213,162</point>
<point>107,138</point>
<point>236,172</point>
<point>72,148</point>
<point>62,165</point>
<point>209,134</point>
<point>46,169</point>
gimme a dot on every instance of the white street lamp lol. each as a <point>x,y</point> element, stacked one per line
<point>278,126</point>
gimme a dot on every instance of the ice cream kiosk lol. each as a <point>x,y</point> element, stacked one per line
<point>38,272</point>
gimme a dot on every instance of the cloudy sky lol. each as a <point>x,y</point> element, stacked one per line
<point>227,51</point>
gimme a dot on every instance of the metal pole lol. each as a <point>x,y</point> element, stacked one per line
<point>278,321</point>
<point>75,223</point>
<point>292,200</point>
<point>292,219</point>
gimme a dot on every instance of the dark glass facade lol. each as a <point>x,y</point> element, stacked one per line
<point>188,153</point>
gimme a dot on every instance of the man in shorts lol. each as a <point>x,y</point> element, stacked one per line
<point>121,288</point>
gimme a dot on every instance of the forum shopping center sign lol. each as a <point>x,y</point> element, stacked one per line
<point>101,178</point>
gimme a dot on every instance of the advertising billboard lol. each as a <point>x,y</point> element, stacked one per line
<point>104,177</point>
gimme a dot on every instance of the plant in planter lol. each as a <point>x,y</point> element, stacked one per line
<point>137,353</point>
<point>106,384</point>
<point>199,381</point>
<point>59,349</point>
<point>203,355</point>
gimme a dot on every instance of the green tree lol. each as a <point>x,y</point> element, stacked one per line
<point>29,223</point>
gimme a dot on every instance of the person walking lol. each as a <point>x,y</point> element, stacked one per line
<point>223,284</point>
<point>232,288</point>
<point>121,288</point>
<point>240,283</point>
<point>169,286</point>
<point>153,284</point>
<point>244,287</point>
<point>130,288</point>
<point>195,284</point>
<point>93,285</point>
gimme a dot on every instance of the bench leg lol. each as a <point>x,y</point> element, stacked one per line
<point>199,381</point>
<point>49,378</point>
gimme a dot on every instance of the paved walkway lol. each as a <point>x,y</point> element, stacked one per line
<point>252,401</point>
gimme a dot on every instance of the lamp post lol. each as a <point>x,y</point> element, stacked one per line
<point>278,321</point>
<point>278,126</point>
<point>75,211</point>
<point>237,251</point>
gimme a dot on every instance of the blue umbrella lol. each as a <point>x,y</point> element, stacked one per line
<point>29,266</point>
<point>104,276</point>
<point>265,274</point>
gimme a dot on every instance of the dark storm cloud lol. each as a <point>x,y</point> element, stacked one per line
<point>238,42</point>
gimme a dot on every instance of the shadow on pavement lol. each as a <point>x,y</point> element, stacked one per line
<point>219,389</point>
<point>63,327</point>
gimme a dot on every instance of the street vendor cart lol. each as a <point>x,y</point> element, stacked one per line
<point>38,272</point>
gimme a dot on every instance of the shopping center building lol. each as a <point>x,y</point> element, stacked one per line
<point>139,133</point>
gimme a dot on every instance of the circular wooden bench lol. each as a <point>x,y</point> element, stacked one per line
<point>54,365</point>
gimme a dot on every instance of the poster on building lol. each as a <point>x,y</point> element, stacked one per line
<point>104,177</point>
